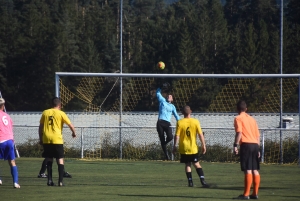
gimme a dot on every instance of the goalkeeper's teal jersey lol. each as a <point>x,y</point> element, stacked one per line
<point>165,109</point>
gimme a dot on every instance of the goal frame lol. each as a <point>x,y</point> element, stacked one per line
<point>121,75</point>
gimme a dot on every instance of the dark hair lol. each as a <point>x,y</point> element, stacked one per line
<point>186,110</point>
<point>56,101</point>
<point>241,106</point>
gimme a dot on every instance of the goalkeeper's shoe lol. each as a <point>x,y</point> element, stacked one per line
<point>43,175</point>
<point>66,174</point>
<point>0,182</point>
<point>50,183</point>
<point>16,185</point>
<point>61,184</point>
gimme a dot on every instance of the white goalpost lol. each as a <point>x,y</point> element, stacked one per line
<point>59,75</point>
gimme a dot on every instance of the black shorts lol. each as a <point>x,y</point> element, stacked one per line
<point>164,127</point>
<point>249,156</point>
<point>53,151</point>
<point>189,158</point>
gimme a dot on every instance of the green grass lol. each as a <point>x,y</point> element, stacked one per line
<point>145,180</point>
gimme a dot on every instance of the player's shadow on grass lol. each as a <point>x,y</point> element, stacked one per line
<point>166,196</point>
<point>242,188</point>
<point>292,196</point>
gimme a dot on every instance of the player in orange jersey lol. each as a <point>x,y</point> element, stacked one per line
<point>247,136</point>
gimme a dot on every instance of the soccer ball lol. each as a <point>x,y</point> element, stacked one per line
<point>161,65</point>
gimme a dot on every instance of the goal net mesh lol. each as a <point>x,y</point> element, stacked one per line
<point>213,101</point>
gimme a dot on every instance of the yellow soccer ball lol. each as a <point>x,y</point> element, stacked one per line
<point>161,65</point>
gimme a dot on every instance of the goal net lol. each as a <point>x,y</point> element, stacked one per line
<point>116,116</point>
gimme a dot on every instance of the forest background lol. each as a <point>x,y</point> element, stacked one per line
<point>41,37</point>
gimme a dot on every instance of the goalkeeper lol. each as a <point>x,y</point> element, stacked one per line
<point>163,126</point>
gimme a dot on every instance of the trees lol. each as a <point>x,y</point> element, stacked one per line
<point>38,38</point>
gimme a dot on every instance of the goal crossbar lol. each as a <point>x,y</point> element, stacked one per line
<point>57,74</point>
<point>61,74</point>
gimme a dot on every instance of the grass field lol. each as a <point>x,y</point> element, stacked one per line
<point>145,180</point>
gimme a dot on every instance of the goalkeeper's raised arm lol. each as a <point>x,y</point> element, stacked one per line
<point>166,108</point>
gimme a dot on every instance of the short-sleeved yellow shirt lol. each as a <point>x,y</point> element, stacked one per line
<point>187,130</point>
<point>53,121</point>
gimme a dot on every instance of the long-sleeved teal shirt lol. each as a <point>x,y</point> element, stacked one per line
<point>165,109</point>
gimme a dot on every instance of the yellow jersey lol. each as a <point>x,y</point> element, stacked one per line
<point>187,130</point>
<point>53,121</point>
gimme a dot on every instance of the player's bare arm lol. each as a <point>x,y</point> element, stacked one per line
<point>238,136</point>
<point>201,137</point>
<point>72,129</point>
<point>175,144</point>
<point>258,142</point>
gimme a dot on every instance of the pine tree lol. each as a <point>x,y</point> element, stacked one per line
<point>292,42</point>
<point>186,54</point>
<point>37,61</point>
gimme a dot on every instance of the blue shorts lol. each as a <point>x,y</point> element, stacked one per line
<point>7,150</point>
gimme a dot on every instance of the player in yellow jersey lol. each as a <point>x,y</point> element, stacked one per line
<point>50,134</point>
<point>187,130</point>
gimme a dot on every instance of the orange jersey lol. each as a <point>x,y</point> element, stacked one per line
<point>247,126</point>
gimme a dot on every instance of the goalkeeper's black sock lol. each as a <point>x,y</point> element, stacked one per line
<point>164,148</point>
<point>49,171</point>
<point>44,166</point>
<point>201,175</point>
<point>190,180</point>
<point>61,168</point>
